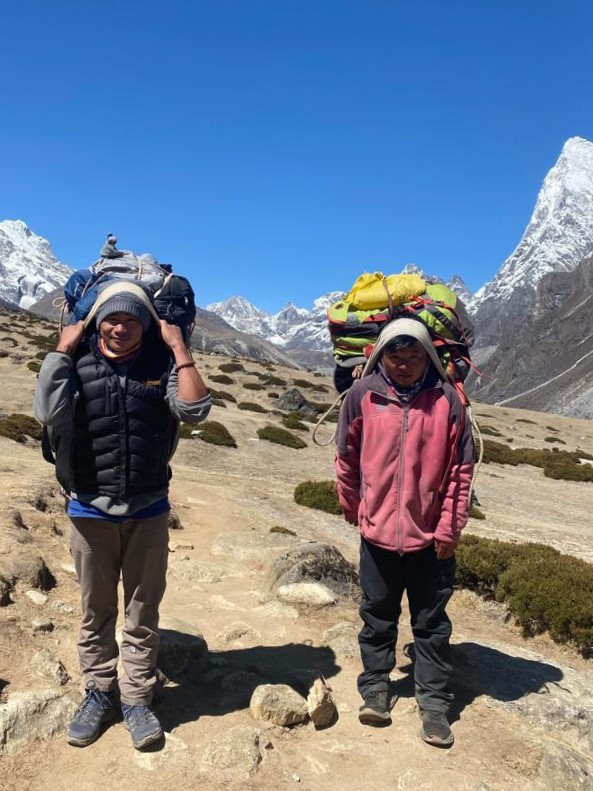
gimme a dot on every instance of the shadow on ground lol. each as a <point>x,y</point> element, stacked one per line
<point>230,678</point>
<point>479,670</point>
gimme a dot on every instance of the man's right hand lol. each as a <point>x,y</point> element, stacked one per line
<point>70,338</point>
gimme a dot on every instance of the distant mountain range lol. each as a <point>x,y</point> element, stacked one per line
<point>301,333</point>
<point>534,338</point>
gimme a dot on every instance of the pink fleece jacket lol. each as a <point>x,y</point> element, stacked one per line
<point>404,470</point>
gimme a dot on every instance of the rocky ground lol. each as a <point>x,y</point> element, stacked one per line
<point>523,716</point>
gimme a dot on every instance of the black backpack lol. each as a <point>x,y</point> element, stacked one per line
<point>175,302</point>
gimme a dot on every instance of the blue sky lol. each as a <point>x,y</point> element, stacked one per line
<point>278,148</point>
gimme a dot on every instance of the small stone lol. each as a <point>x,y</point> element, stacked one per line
<point>42,626</point>
<point>238,631</point>
<point>320,704</point>
<point>278,703</point>
<point>36,596</point>
<point>175,546</point>
<point>67,609</point>
<point>68,568</point>
<point>311,594</point>
<point>174,521</point>
<point>47,666</point>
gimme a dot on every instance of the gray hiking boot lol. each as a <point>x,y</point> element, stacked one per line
<point>143,725</point>
<point>96,708</point>
<point>435,729</point>
<point>376,709</point>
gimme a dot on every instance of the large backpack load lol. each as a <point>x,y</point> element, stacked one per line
<point>173,295</point>
<point>355,322</point>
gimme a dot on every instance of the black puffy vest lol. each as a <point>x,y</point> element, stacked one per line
<point>122,438</point>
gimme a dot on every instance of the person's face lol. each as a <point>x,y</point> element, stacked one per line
<point>406,366</point>
<point>121,332</point>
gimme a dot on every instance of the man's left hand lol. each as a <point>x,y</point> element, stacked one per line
<point>172,335</point>
<point>445,550</point>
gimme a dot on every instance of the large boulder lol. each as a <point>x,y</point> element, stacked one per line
<point>315,562</point>
<point>293,400</point>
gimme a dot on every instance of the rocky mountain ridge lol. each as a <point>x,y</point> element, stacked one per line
<point>28,267</point>
<point>558,237</point>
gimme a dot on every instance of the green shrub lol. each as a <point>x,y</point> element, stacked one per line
<point>223,395</point>
<point>273,380</point>
<point>251,407</point>
<point>302,383</point>
<point>551,428</point>
<point>209,431</point>
<point>284,531</point>
<point>321,388</point>
<point>218,402</point>
<point>280,437</point>
<point>318,494</point>
<point>222,379</point>
<point>321,408</point>
<point>498,453</point>
<point>253,386</point>
<point>293,421</point>
<point>46,343</point>
<point>558,464</point>
<point>18,427</point>
<point>543,589</point>
<point>34,366</point>
<point>230,368</point>
<point>490,431</point>
<point>273,395</point>
<point>561,468</point>
<point>526,420</point>
<point>555,439</point>
<point>476,513</point>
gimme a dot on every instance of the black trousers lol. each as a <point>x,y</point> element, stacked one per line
<point>428,582</point>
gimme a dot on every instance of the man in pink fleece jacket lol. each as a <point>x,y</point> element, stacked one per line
<point>404,466</point>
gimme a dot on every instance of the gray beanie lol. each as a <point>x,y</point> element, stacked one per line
<point>125,303</point>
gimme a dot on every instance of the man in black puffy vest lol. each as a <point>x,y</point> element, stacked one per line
<point>112,396</point>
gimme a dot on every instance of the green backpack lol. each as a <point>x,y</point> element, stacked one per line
<point>352,329</point>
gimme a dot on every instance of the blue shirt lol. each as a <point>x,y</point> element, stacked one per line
<point>76,508</point>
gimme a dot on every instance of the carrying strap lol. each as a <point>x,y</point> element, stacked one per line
<point>336,405</point>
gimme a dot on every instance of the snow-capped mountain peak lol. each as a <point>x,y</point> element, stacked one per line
<point>28,266</point>
<point>560,232</point>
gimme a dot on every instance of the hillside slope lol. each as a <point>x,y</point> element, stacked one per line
<point>523,716</point>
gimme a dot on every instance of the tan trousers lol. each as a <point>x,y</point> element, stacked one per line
<point>137,549</point>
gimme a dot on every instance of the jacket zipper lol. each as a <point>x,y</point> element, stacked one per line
<point>122,428</point>
<point>400,479</point>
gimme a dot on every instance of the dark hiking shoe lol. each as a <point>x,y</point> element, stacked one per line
<point>435,729</point>
<point>143,725</point>
<point>96,708</point>
<point>376,709</point>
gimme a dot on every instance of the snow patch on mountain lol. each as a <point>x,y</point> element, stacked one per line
<point>28,266</point>
<point>291,326</point>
